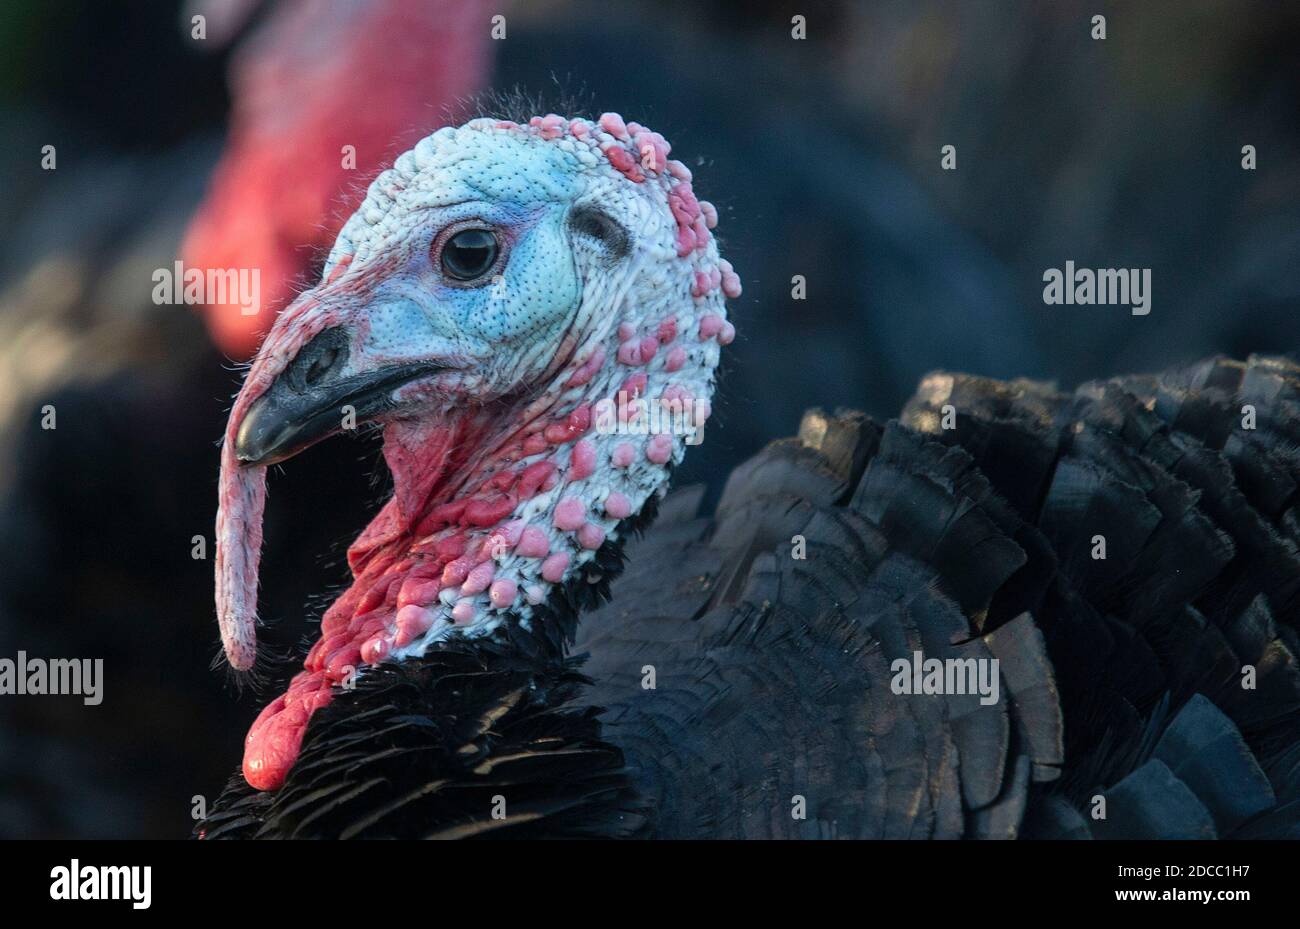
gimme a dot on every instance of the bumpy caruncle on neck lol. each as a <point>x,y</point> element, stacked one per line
<point>518,430</point>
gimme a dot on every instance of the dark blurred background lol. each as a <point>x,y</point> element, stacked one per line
<point>822,155</point>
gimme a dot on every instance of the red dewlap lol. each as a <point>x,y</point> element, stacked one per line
<point>276,735</point>
<point>398,579</point>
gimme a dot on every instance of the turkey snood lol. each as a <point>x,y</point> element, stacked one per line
<point>506,303</point>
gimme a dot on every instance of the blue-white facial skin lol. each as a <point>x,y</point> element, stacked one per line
<point>502,330</point>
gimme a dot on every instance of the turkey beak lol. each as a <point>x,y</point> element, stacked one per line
<point>313,397</point>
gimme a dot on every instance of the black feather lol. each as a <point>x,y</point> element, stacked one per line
<point>739,682</point>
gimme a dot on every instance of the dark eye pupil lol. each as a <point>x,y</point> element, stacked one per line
<point>469,254</point>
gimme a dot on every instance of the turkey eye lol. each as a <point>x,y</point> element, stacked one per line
<point>468,254</point>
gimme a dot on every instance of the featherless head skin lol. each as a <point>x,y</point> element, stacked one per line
<point>508,304</point>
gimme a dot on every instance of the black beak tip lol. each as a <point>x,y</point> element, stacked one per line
<point>304,404</point>
<point>248,451</point>
<point>253,444</point>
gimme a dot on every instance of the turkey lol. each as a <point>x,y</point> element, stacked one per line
<point>304,125</point>
<point>1011,612</point>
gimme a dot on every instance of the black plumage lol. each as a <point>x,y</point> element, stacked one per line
<point>732,689</point>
